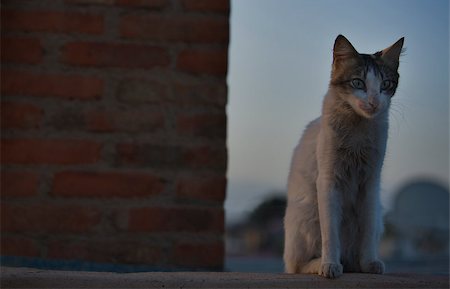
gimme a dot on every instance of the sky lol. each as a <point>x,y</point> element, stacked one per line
<point>279,67</point>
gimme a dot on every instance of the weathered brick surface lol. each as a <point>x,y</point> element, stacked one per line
<point>21,50</point>
<point>199,94</point>
<point>113,144</point>
<point>171,157</point>
<point>49,218</point>
<point>19,246</point>
<point>209,188</point>
<point>17,115</point>
<point>203,61</point>
<point>114,55</point>
<point>138,120</point>
<point>175,29</point>
<point>107,251</point>
<point>222,6</point>
<point>205,157</point>
<point>18,184</point>
<point>91,2</point>
<point>156,4</point>
<point>191,254</point>
<point>176,219</point>
<point>149,155</point>
<point>106,185</point>
<point>142,91</point>
<point>149,4</point>
<point>65,86</point>
<point>51,21</point>
<point>202,125</point>
<point>49,151</point>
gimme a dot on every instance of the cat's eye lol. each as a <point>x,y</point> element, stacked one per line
<point>387,85</point>
<point>358,83</point>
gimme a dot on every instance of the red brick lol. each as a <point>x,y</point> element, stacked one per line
<point>149,4</point>
<point>204,61</point>
<point>142,91</point>
<point>18,184</point>
<point>52,21</point>
<point>47,218</point>
<point>171,157</point>
<point>47,151</point>
<point>115,55</point>
<point>73,251</point>
<point>177,29</point>
<point>127,153</point>
<point>149,155</point>
<point>67,119</point>
<point>153,4</point>
<point>21,50</point>
<point>18,246</point>
<point>91,2</point>
<point>207,5</point>
<point>205,157</point>
<point>129,120</point>
<point>104,120</point>
<point>106,184</point>
<point>51,85</point>
<point>99,122</point>
<point>199,255</point>
<point>202,125</point>
<point>176,219</point>
<point>197,94</point>
<point>106,251</point>
<point>20,115</point>
<point>202,188</point>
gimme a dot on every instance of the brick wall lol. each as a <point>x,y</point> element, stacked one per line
<point>113,125</point>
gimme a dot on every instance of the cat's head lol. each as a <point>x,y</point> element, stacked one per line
<point>366,82</point>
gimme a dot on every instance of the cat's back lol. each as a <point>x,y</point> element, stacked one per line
<point>304,161</point>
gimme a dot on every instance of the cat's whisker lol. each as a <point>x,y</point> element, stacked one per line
<point>398,110</point>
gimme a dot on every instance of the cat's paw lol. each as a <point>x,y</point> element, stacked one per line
<point>374,267</point>
<point>331,270</point>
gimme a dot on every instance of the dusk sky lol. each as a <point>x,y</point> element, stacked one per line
<point>279,68</point>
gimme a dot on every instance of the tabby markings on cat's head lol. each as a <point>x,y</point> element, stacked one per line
<point>366,82</point>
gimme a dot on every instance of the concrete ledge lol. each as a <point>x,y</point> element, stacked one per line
<point>34,278</point>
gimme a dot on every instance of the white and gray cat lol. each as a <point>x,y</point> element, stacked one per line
<point>333,216</point>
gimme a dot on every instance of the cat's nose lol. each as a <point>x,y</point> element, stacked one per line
<point>373,103</point>
<point>373,106</point>
<point>369,106</point>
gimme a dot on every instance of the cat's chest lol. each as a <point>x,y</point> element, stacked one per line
<point>356,156</point>
<point>356,147</point>
<point>358,144</point>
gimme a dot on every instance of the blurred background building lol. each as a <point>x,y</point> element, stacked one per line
<point>417,228</point>
<point>113,146</point>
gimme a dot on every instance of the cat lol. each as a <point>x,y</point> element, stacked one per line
<point>333,215</point>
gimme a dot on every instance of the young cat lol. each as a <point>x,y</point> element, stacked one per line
<point>333,215</point>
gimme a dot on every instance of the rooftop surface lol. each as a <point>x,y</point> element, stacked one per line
<point>35,278</point>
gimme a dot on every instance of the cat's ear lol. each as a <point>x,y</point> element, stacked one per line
<point>343,48</point>
<point>391,55</point>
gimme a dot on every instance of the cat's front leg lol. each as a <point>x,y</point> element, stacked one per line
<point>371,228</point>
<point>330,218</point>
<point>329,204</point>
